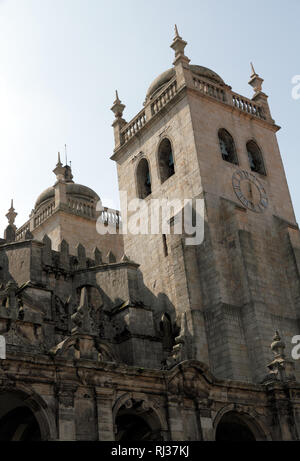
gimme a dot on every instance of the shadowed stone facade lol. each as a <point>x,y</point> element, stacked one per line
<point>140,337</point>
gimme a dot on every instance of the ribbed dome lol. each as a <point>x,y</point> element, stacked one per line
<point>166,76</point>
<point>73,189</point>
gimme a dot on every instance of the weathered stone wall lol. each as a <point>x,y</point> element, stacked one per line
<point>76,229</point>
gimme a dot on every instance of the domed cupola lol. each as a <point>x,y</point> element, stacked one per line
<point>67,195</point>
<point>163,79</point>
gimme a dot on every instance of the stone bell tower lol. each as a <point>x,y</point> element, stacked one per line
<point>195,138</point>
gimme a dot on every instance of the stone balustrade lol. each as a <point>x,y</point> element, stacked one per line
<point>134,126</point>
<point>82,207</point>
<point>164,97</point>
<point>246,105</point>
<point>109,216</point>
<point>20,233</point>
<point>209,89</point>
<point>44,214</point>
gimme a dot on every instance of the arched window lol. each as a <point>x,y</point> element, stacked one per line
<point>227,147</point>
<point>255,158</point>
<point>165,160</point>
<point>143,179</point>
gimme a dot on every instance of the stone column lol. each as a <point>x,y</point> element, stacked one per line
<point>206,423</point>
<point>66,412</point>
<point>279,397</point>
<point>104,398</point>
<point>175,419</point>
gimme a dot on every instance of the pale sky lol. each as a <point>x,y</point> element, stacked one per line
<point>62,60</point>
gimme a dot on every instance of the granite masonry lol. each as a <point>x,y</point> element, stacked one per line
<point>122,337</point>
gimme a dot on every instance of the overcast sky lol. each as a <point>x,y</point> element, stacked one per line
<point>61,61</point>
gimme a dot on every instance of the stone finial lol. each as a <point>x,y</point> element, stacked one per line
<point>11,215</point>
<point>253,70</point>
<point>255,81</point>
<point>281,368</point>
<point>278,346</point>
<point>59,170</point>
<point>118,107</point>
<point>119,122</point>
<point>178,46</point>
<point>176,32</point>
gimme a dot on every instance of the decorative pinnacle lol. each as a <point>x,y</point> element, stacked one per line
<point>59,170</point>
<point>253,70</point>
<point>11,215</point>
<point>278,345</point>
<point>178,46</point>
<point>255,80</point>
<point>176,33</point>
<point>118,107</point>
<point>58,160</point>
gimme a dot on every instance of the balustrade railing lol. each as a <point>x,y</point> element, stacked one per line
<point>81,207</point>
<point>134,126</point>
<point>246,105</point>
<point>209,89</point>
<point>20,233</point>
<point>44,214</point>
<point>163,98</point>
<point>109,216</point>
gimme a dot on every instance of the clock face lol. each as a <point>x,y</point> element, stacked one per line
<point>250,191</point>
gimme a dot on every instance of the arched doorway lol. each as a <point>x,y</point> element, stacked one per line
<point>137,422</point>
<point>234,427</point>
<point>23,418</point>
<point>19,425</point>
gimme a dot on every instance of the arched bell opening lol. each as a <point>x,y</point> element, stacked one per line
<point>143,177</point>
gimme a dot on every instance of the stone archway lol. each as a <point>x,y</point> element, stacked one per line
<point>20,425</point>
<point>24,417</point>
<point>232,424</point>
<point>136,420</point>
<point>233,428</point>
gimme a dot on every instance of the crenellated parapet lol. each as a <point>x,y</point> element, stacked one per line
<point>73,306</point>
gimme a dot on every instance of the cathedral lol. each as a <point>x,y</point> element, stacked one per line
<point>123,336</point>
